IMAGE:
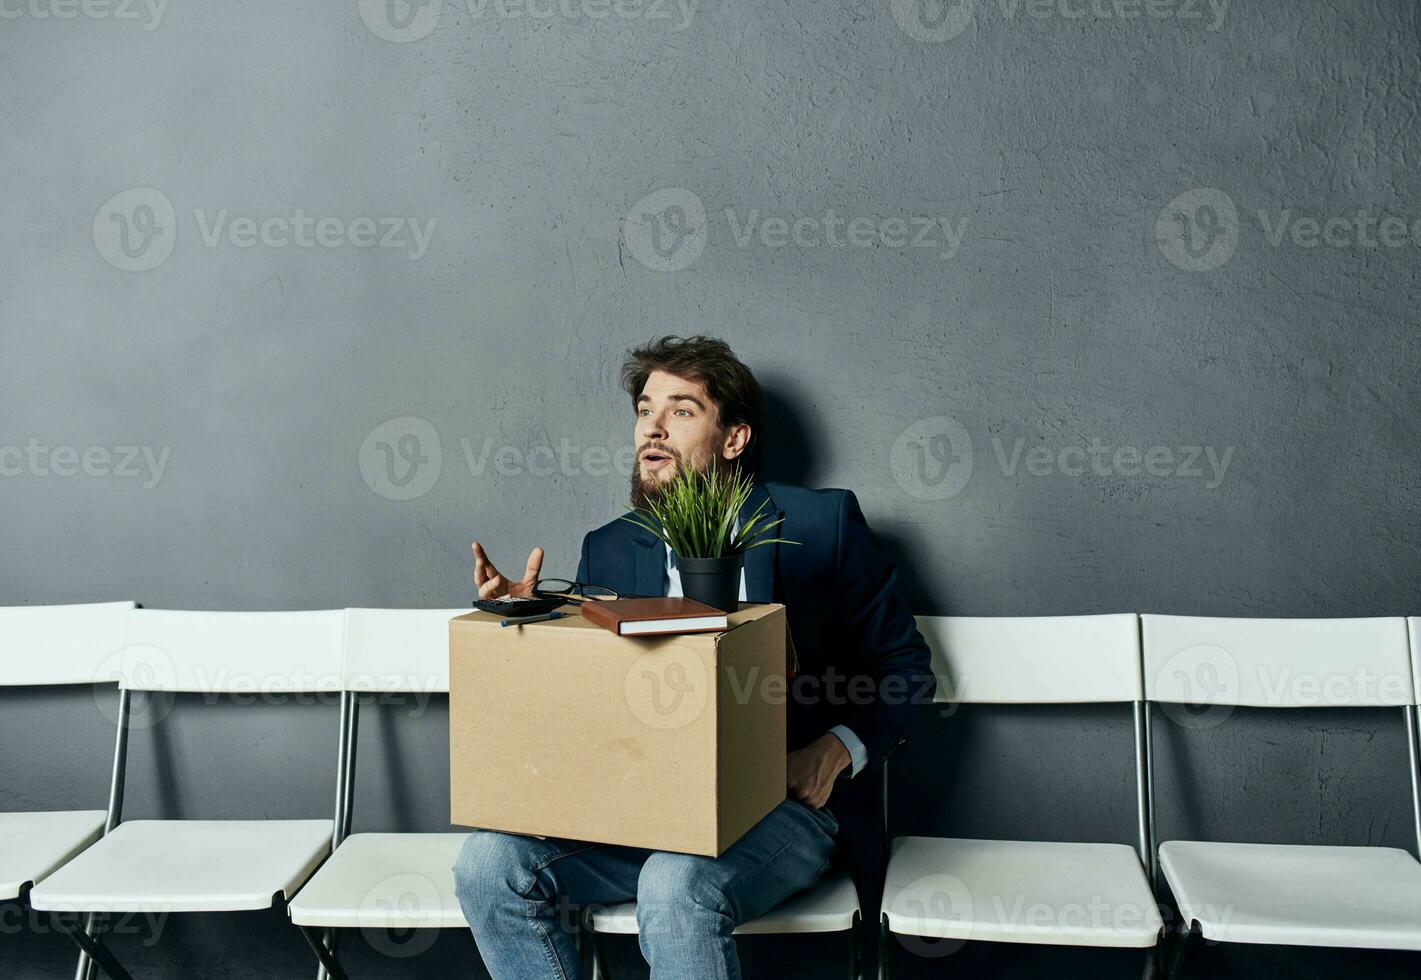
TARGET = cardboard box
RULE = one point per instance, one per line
(563, 729)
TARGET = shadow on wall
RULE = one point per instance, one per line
(795, 454)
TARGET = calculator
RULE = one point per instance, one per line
(511, 605)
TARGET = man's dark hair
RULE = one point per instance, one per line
(736, 393)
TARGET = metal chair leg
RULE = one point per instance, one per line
(326, 956)
(1177, 963)
(885, 950)
(84, 970)
(599, 961)
(91, 945)
(1151, 970)
(856, 949)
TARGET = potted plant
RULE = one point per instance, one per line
(694, 515)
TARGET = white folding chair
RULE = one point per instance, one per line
(831, 905)
(383, 881)
(42, 646)
(1077, 894)
(167, 866)
(1288, 894)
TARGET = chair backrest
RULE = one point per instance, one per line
(1278, 663)
(234, 652)
(1035, 659)
(398, 650)
(60, 644)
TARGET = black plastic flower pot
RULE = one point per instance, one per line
(714, 581)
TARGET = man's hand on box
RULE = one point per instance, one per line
(811, 771)
(493, 584)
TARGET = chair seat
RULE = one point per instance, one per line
(390, 881)
(1297, 894)
(1020, 892)
(188, 866)
(830, 906)
(33, 845)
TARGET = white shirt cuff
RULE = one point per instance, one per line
(858, 752)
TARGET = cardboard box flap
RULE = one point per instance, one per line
(574, 623)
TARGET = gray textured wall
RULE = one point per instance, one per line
(1078, 349)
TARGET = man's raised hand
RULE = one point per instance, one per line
(493, 584)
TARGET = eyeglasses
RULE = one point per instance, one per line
(573, 592)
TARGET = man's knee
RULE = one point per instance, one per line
(492, 867)
(680, 886)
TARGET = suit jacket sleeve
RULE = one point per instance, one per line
(582, 570)
(883, 638)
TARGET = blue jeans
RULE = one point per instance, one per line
(523, 897)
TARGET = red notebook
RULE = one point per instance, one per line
(654, 616)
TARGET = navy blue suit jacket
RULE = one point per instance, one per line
(862, 661)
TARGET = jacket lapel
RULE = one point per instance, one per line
(760, 562)
(649, 556)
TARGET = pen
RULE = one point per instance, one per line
(520, 620)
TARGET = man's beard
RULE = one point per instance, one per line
(645, 491)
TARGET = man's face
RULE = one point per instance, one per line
(677, 425)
